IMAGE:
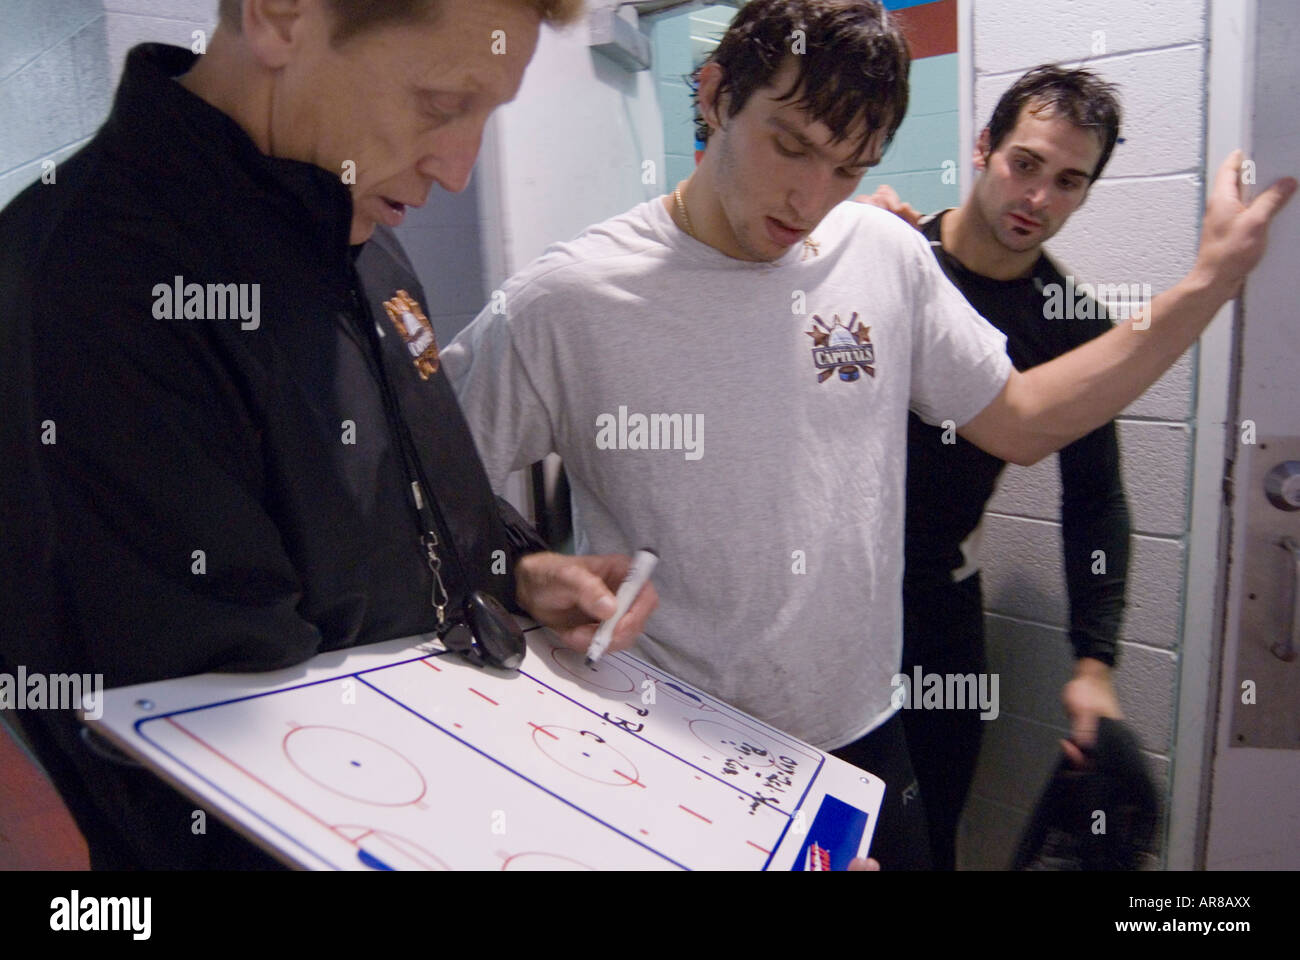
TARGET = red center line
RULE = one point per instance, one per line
(694, 814)
(485, 697)
(757, 847)
(545, 731)
(630, 779)
(431, 666)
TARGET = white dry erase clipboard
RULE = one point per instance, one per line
(402, 756)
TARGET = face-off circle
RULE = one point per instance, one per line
(601, 675)
(732, 743)
(586, 754)
(355, 766)
(542, 861)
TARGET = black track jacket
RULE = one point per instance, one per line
(180, 495)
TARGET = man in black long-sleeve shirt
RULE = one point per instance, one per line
(241, 480)
(1050, 136)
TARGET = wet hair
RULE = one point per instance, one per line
(1079, 96)
(853, 61)
(356, 16)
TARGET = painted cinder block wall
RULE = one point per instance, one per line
(53, 85)
(1139, 225)
(60, 61)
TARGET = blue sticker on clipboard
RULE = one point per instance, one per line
(833, 838)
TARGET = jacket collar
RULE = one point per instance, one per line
(188, 141)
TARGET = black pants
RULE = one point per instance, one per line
(943, 633)
(900, 841)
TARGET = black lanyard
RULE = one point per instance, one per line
(434, 532)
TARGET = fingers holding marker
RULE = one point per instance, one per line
(632, 624)
(638, 577)
(579, 599)
(590, 590)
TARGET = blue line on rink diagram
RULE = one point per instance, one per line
(529, 780)
(720, 707)
(691, 697)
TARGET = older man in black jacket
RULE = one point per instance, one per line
(212, 438)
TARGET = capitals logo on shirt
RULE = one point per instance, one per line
(414, 328)
(843, 348)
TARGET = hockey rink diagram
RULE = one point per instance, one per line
(408, 758)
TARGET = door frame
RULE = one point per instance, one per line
(1229, 89)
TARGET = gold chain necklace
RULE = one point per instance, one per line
(681, 210)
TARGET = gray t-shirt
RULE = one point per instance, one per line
(748, 421)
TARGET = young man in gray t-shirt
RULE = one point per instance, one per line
(727, 373)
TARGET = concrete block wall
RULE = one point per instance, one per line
(129, 22)
(53, 85)
(1140, 224)
(60, 61)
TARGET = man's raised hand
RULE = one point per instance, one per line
(1234, 236)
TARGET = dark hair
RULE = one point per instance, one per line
(853, 62)
(356, 16)
(1079, 96)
